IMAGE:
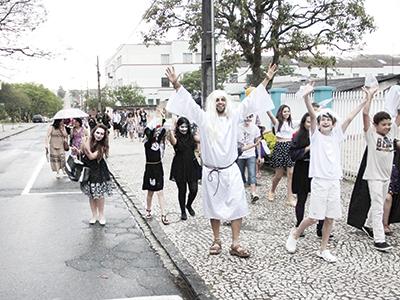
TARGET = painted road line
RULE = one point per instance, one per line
(35, 174)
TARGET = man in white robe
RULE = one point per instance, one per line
(223, 191)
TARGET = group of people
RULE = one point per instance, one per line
(228, 141)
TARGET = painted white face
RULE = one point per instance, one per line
(183, 128)
(99, 134)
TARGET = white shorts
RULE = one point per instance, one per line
(325, 199)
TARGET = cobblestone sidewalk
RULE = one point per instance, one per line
(270, 273)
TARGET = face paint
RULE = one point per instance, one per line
(99, 134)
(183, 128)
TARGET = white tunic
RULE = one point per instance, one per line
(223, 192)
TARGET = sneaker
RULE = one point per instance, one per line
(327, 256)
(254, 198)
(93, 221)
(102, 221)
(382, 246)
(368, 231)
(291, 242)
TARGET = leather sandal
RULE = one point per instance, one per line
(239, 251)
(148, 213)
(216, 247)
(164, 220)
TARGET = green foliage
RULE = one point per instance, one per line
(249, 28)
(127, 95)
(22, 101)
(192, 81)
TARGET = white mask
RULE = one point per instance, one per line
(183, 128)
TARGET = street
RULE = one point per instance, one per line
(48, 248)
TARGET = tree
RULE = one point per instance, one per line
(42, 100)
(252, 27)
(16, 103)
(18, 17)
(129, 95)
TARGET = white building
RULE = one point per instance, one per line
(136, 64)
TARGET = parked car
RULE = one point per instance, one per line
(38, 119)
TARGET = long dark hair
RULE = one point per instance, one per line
(101, 146)
(279, 116)
(56, 123)
(303, 135)
(185, 138)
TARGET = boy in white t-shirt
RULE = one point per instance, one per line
(380, 145)
(325, 170)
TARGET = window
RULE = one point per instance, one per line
(187, 58)
(313, 75)
(150, 101)
(157, 101)
(197, 58)
(165, 59)
(356, 75)
(380, 74)
(233, 78)
(164, 82)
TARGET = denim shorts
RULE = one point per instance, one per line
(250, 163)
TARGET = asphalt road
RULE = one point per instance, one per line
(48, 248)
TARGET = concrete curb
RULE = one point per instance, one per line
(17, 132)
(198, 289)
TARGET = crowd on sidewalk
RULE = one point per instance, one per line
(225, 146)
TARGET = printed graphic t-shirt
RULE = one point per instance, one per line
(380, 154)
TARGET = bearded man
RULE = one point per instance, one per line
(223, 191)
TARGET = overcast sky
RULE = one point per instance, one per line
(77, 31)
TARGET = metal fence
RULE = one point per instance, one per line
(343, 103)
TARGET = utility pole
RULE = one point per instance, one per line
(207, 50)
(98, 85)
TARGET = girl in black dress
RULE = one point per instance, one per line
(99, 184)
(301, 183)
(153, 179)
(185, 169)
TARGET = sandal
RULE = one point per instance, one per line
(216, 247)
(387, 230)
(164, 220)
(239, 251)
(148, 213)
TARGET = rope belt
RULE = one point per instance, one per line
(153, 162)
(217, 170)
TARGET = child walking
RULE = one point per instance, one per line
(153, 179)
(280, 156)
(380, 147)
(325, 170)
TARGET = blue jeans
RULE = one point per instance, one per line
(250, 163)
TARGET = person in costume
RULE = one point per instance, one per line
(281, 160)
(153, 179)
(326, 136)
(185, 169)
(223, 191)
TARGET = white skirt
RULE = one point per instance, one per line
(224, 198)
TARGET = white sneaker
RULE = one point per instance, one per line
(102, 221)
(327, 256)
(92, 221)
(291, 242)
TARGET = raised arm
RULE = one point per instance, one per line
(356, 110)
(272, 69)
(173, 78)
(308, 89)
(274, 120)
(369, 95)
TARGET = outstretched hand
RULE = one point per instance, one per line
(369, 92)
(308, 89)
(172, 77)
(272, 69)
